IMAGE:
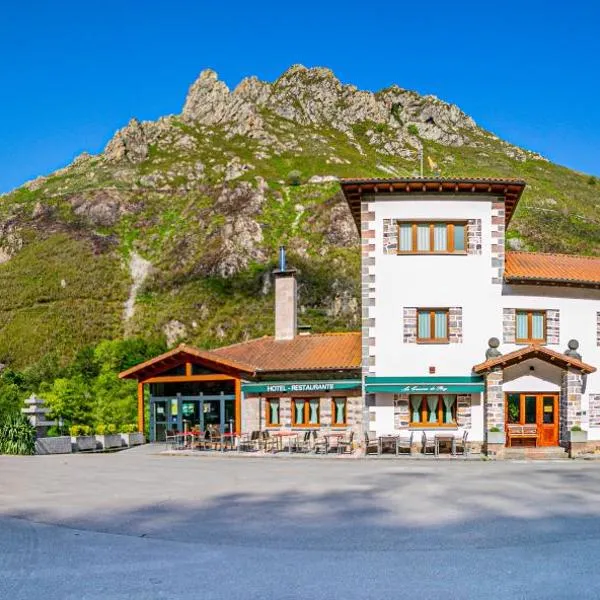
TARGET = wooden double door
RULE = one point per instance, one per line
(532, 408)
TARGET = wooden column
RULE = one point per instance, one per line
(140, 406)
(238, 406)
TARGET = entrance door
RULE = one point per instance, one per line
(538, 409)
(158, 425)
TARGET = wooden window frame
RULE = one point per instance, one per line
(268, 421)
(306, 411)
(423, 411)
(432, 312)
(529, 339)
(449, 237)
(345, 423)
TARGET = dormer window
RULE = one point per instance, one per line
(431, 237)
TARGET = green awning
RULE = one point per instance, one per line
(286, 387)
(471, 384)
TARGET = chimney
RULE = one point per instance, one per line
(286, 309)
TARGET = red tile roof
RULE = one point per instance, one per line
(534, 351)
(315, 352)
(564, 269)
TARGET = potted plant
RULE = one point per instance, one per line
(496, 436)
(82, 438)
(107, 435)
(577, 435)
(131, 436)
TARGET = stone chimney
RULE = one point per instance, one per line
(286, 302)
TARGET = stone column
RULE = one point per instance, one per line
(570, 409)
(494, 412)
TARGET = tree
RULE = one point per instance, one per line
(70, 399)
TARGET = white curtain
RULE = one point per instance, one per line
(440, 237)
(415, 403)
(423, 238)
(314, 411)
(448, 404)
(522, 326)
(405, 241)
(340, 411)
(274, 411)
(432, 402)
(537, 326)
(459, 237)
(299, 408)
(441, 325)
(424, 325)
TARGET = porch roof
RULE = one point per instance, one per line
(534, 351)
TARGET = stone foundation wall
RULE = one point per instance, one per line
(54, 445)
(594, 410)
(570, 403)
(494, 400)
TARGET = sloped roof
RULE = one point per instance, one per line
(315, 352)
(563, 269)
(510, 189)
(533, 351)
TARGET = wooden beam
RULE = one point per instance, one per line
(184, 378)
(238, 406)
(140, 397)
(188, 369)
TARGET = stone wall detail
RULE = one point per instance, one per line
(474, 239)
(598, 329)
(390, 236)
(401, 411)
(498, 230)
(494, 400)
(570, 402)
(367, 227)
(509, 325)
(463, 411)
(455, 329)
(410, 325)
(594, 410)
(552, 327)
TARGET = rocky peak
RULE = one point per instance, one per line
(207, 99)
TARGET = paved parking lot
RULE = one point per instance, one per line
(141, 525)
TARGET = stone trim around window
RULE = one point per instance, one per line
(455, 325)
(509, 326)
(463, 411)
(390, 236)
(594, 410)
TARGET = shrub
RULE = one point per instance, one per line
(294, 178)
(104, 429)
(494, 429)
(80, 430)
(17, 435)
(576, 428)
(129, 428)
(413, 129)
(111, 428)
(101, 429)
(592, 180)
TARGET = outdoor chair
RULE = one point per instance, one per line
(249, 442)
(428, 443)
(405, 441)
(321, 443)
(371, 443)
(266, 442)
(216, 439)
(303, 444)
(460, 444)
(346, 444)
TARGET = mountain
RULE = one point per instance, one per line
(174, 228)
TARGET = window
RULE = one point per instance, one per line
(431, 238)
(338, 412)
(305, 412)
(531, 327)
(432, 325)
(273, 407)
(433, 410)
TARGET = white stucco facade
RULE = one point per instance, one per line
(468, 282)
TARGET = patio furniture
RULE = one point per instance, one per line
(215, 439)
(460, 444)
(387, 441)
(333, 440)
(371, 442)
(321, 443)
(404, 441)
(444, 439)
(249, 441)
(428, 443)
(344, 445)
(521, 432)
(303, 444)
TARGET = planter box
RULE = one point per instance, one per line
(53, 445)
(496, 437)
(578, 437)
(84, 442)
(112, 440)
(133, 439)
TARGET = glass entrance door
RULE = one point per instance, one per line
(158, 424)
(538, 409)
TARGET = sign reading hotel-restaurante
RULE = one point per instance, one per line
(301, 387)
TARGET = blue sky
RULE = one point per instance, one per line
(71, 73)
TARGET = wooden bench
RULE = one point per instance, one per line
(521, 432)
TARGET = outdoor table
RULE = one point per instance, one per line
(231, 437)
(333, 434)
(387, 439)
(444, 438)
(281, 435)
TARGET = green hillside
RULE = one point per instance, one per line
(182, 217)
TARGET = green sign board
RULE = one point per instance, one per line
(287, 387)
(425, 385)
